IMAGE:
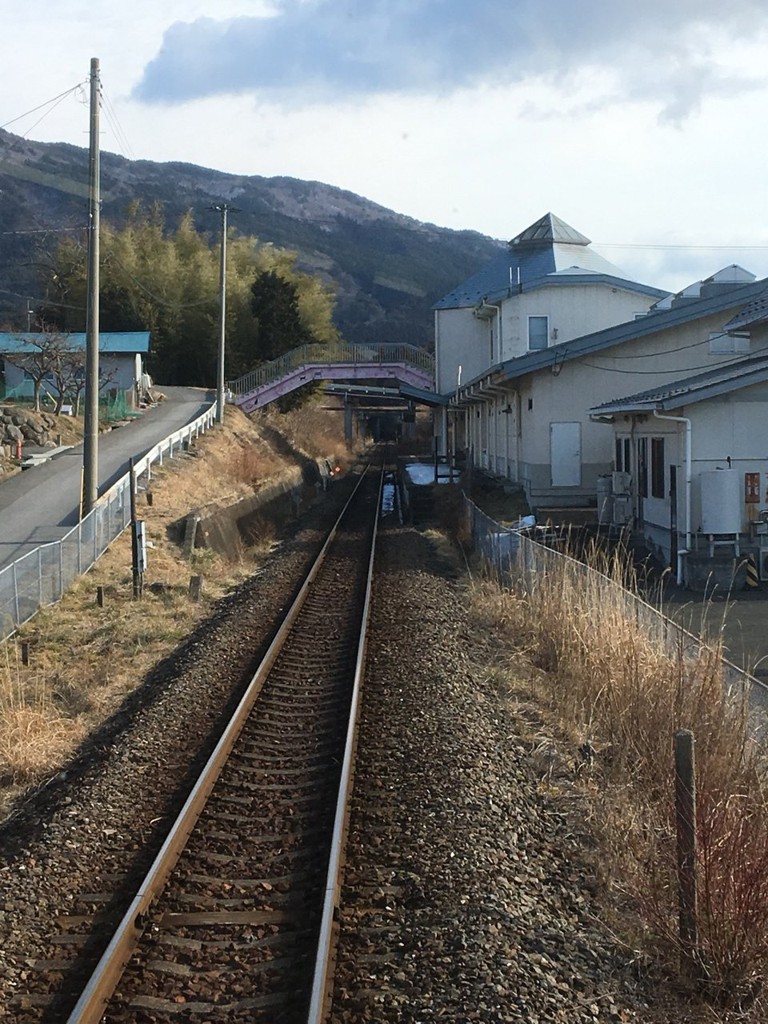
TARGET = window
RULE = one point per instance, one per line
(657, 468)
(623, 447)
(642, 467)
(538, 332)
(720, 344)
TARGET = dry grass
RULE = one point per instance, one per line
(619, 697)
(84, 659)
(312, 430)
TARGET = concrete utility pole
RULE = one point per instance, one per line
(91, 430)
(223, 209)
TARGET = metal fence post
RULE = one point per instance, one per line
(17, 612)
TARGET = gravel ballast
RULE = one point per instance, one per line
(468, 895)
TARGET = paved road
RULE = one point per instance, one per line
(741, 617)
(42, 504)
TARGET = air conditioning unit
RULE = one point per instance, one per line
(622, 509)
(620, 483)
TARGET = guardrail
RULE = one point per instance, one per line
(41, 577)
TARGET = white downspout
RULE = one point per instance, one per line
(518, 433)
(687, 422)
(490, 305)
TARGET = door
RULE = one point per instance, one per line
(565, 454)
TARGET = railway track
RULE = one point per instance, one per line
(235, 919)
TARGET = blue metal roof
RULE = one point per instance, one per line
(535, 258)
(652, 323)
(752, 315)
(689, 390)
(129, 342)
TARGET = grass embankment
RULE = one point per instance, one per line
(84, 658)
(618, 699)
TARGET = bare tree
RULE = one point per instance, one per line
(55, 365)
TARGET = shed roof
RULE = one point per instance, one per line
(688, 390)
(113, 342)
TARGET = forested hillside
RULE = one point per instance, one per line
(385, 269)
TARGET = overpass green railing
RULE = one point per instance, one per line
(385, 352)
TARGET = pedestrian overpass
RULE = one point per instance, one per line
(407, 365)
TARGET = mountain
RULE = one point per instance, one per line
(387, 269)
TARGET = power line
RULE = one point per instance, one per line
(55, 100)
(687, 370)
(157, 298)
(41, 302)
(44, 231)
(111, 115)
(681, 246)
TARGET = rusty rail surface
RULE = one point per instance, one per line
(272, 912)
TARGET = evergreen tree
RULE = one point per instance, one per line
(275, 308)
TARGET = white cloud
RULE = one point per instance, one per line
(643, 125)
(321, 50)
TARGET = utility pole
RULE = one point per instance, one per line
(223, 209)
(91, 429)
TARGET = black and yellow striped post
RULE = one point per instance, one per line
(753, 578)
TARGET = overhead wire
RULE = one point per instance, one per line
(153, 295)
(111, 116)
(45, 231)
(657, 370)
(678, 245)
(51, 103)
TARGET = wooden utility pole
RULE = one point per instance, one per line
(91, 428)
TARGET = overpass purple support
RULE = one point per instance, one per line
(405, 364)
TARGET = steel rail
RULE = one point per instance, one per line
(93, 1001)
(320, 1001)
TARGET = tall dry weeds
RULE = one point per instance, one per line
(624, 687)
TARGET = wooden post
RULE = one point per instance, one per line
(685, 815)
(25, 652)
(195, 587)
(100, 596)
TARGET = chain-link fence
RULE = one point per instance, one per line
(518, 560)
(41, 577)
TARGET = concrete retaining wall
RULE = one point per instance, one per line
(227, 531)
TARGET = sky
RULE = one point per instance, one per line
(641, 124)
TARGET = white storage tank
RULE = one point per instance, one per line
(721, 501)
